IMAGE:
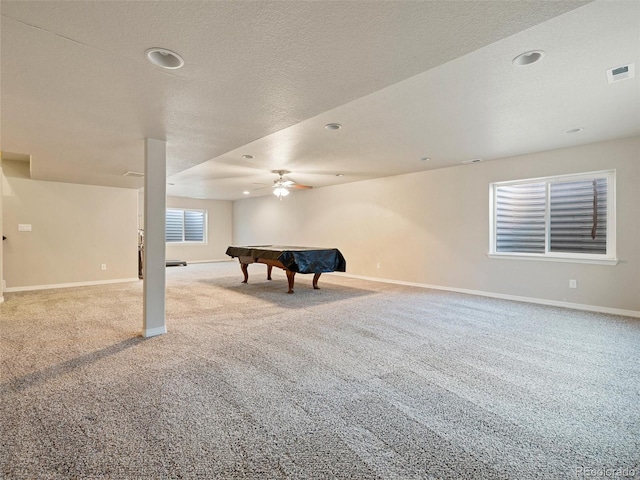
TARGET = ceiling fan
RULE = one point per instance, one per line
(281, 186)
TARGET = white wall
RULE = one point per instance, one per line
(75, 229)
(432, 227)
(219, 229)
(219, 232)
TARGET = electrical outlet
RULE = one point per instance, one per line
(24, 227)
(573, 284)
(378, 265)
(103, 266)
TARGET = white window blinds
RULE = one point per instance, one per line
(564, 216)
(193, 226)
(578, 216)
(185, 226)
(520, 218)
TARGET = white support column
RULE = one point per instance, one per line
(155, 193)
(1, 243)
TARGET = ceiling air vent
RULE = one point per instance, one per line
(133, 174)
(621, 73)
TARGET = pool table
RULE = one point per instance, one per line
(291, 259)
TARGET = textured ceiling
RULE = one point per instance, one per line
(406, 80)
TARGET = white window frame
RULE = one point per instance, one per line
(204, 226)
(608, 259)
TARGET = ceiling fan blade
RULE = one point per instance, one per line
(301, 187)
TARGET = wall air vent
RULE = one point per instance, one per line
(621, 73)
(133, 174)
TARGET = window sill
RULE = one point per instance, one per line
(524, 256)
(191, 244)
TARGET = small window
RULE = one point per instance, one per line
(569, 217)
(186, 226)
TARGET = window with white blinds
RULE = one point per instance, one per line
(186, 226)
(563, 217)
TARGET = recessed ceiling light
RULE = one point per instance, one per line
(339, 174)
(527, 58)
(169, 183)
(474, 160)
(164, 58)
(425, 159)
(574, 130)
(333, 126)
(248, 157)
(246, 192)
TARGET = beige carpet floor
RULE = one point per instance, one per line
(356, 380)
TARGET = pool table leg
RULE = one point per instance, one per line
(290, 277)
(269, 268)
(315, 281)
(245, 272)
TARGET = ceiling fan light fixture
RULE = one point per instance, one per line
(280, 192)
(164, 58)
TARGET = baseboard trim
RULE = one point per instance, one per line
(68, 285)
(153, 332)
(517, 298)
(209, 261)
